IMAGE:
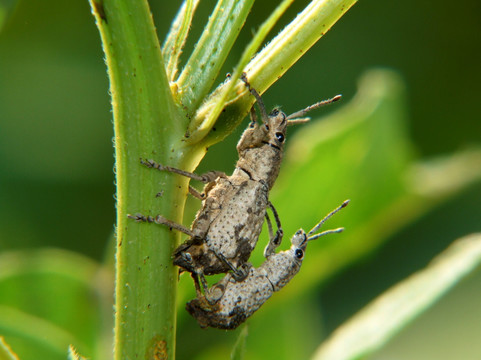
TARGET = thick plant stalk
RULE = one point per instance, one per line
(147, 124)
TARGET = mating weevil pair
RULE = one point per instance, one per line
(227, 227)
(237, 300)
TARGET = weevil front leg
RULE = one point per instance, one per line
(275, 240)
(206, 178)
(258, 97)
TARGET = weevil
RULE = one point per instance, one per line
(238, 300)
(226, 228)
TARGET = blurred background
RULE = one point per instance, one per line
(57, 207)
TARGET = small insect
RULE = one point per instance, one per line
(227, 227)
(237, 300)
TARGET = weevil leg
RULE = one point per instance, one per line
(254, 93)
(275, 240)
(196, 193)
(269, 226)
(212, 295)
(239, 273)
(159, 219)
(195, 277)
(253, 116)
(205, 178)
(215, 293)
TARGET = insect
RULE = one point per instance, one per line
(237, 300)
(227, 227)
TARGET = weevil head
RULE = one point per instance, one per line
(270, 132)
(261, 147)
(276, 128)
(299, 245)
(283, 266)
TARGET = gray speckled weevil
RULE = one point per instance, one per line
(237, 300)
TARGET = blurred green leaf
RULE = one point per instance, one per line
(73, 354)
(381, 319)
(5, 352)
(238, 352)
(38, 334)
(6, 8)
(52, 298)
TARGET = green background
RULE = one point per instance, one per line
(56, 156)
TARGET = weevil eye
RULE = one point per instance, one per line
(274, 112)
(299, 254)
(188, 257)
(280, 136)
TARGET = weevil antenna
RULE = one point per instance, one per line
(327, 232)
(315, 228)
(294, 118)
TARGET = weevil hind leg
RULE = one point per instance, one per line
(274, 240)
(160, 220)
(212, 294)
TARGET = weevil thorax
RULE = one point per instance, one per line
(283, 266)
(261, 148)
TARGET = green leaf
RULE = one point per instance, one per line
(388, 314)
(5, 352)
(177, 36)
(6, 9)
(73, 354)
(210, 52)
(51, 298)
(37, 332)
(238, 352)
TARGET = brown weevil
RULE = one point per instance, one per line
(231, 302)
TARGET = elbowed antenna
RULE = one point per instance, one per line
(315, 228)
(297, 117)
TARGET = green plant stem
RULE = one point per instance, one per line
(147, 124)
